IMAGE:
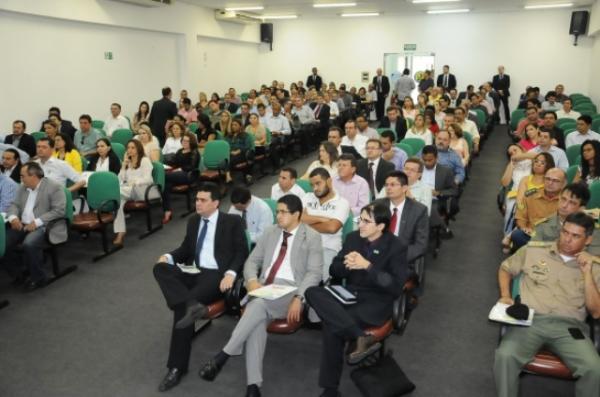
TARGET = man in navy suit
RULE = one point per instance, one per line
(162, 110)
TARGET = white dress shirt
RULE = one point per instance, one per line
(103, 164)
(27, 216)
(279, 124)
(277, 192)
(59, 171)
(428, 177)
(577, 138)
(285, 270)
(114, 123)
(399, 208)
(359, 142)
(258, 217)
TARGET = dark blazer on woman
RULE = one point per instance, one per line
(114, 164)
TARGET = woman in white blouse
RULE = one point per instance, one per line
(173, 142)
(328, 156)
(419, 130)
(105, 159)
(134, 178)
(408, 109)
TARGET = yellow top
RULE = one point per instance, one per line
(73, 159)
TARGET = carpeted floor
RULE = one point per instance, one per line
(104, 330)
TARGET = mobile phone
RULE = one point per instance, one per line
(576, 333)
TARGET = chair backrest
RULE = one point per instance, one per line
(216, 154)
(348, 226)
(37, 135)
(69, 205)
(84, 162)
(415, 143)
(158, 174)
(594, 195)
(244, 96)
(567, 131)
(103, 186)
(480, 118)
(119, 150)
(98, 124)
(406, 148)
(122, 136)
(469, 138)
(562, 123)
(305, 185)
(2, 237)
(269, 136)
(596, 125)
(516, 116)
(380, 130)
(571, 172)
(272, 205)
(573, 152)
(193, 126)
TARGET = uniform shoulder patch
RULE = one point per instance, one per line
(540, 221)
(539, 243)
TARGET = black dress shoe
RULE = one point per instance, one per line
(171, 379)
(365, 346)
(19, 280)
(331, 393)
(210, 371)
(253, 391)
(192, 313)
(33, 285)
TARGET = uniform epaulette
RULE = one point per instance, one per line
(540, 221)
(531, 192)
(539, 243)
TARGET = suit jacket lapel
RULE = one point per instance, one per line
(295, 259)
(39, 195)
(405, 214)
(270, 250)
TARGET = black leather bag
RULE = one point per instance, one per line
(384, 379)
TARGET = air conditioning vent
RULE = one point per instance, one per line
(148, 3)
(236, 17)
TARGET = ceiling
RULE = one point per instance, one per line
(304, 8)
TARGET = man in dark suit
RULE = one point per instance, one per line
(198, 273)
(446, 80)
(314, 80)
(395, 122)
(442, 182)
(501, 83)
(374, 169)
(162, 110)
(382, 87)
(11, 164)
(322, 113)
(373, 264)
(65, 126)
(229, 104)
(410, 220)
(20, 139)
(289, 253)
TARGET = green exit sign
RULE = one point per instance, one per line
(410, 47)
(108, 55)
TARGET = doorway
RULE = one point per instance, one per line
(416, 62)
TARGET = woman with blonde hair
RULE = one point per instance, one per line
(458, 143)
(149, 142)
(419, 130)
(224, 123)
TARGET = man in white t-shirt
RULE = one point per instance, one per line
(354, 139)
(566, 112)
(326, 212)
(287, 184)
(467, 125)
(116, 120)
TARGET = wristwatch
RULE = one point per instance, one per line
(301, 298)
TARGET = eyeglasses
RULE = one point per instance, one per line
(553, 180)
(365, 221)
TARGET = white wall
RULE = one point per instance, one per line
(534, 46)
(594, 30)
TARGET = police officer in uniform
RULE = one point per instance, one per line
(560, 282)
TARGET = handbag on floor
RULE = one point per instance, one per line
(384, 379)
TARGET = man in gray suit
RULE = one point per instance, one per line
(271, 262)
(40, 202)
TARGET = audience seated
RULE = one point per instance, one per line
(390, 152)
(86, 136)
(410, 219)
(353, 142)
(417, 190)
(281, 132)
(583, 132)
(20, 139)
(328, 159)
(64, 149)
(288, 253)
(183, 171)
(590, 156)
(530, 137)
(448, 157)
(64, 125)
(458, 144)
(162, 110)
(567, 111)
(559, 281)
(335, 136)
(173, 141)
(187, 111)
(141, 116)
(514, 172)
(51, 129)
(255, 213)
(205, 131)
(198, 273)
(545, 146)
(441, 181)
(105, 159)
(286, 184)
(115, 121)
(420, 131)
(55, 169)
(374, 169)
(557, 134)
(374, 248)
(326, 212)
(149, 142)
(467, 125)
(11, 164)
(8, 191)
(39, 203)
(259, 132)
(240, 145)
(135, 177)
(349, 185)
(363, 127)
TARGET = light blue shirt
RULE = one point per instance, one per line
(207, 255)
(8, 192)
(560, 157)
(279, 124)
(452, 160)
(258, 217)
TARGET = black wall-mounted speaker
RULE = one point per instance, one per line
(266, 33)
(579, 22)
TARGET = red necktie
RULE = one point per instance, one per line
(394, 221)
(317, 111)
(279, 260)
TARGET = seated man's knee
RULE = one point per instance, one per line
(160, 268)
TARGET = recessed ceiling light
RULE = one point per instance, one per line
(432, 1)
(456, 11)
(332, 5)
(278, 17)
(253, 8)
(542, 6)
(360, 14)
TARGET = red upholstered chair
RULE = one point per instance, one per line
(229, 304)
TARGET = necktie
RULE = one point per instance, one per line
(394, 221)
(279, 260)
(244, 222)
(445, 81)
(371, 181)
(317, 111)
(200, 241)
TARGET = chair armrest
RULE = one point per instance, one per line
(105, 203)
(148, 190)
(595, 332)
(234, 296)
(51, 224)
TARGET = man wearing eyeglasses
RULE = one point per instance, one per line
(288, 253)
(538, 206)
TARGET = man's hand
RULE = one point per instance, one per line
(507, 300)
(355, 261)
(163, 259)
(294, 311)
(16, 224)
(30, 227)
(252, 285)
(435, 193)
(227, 282)
(585, 261)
